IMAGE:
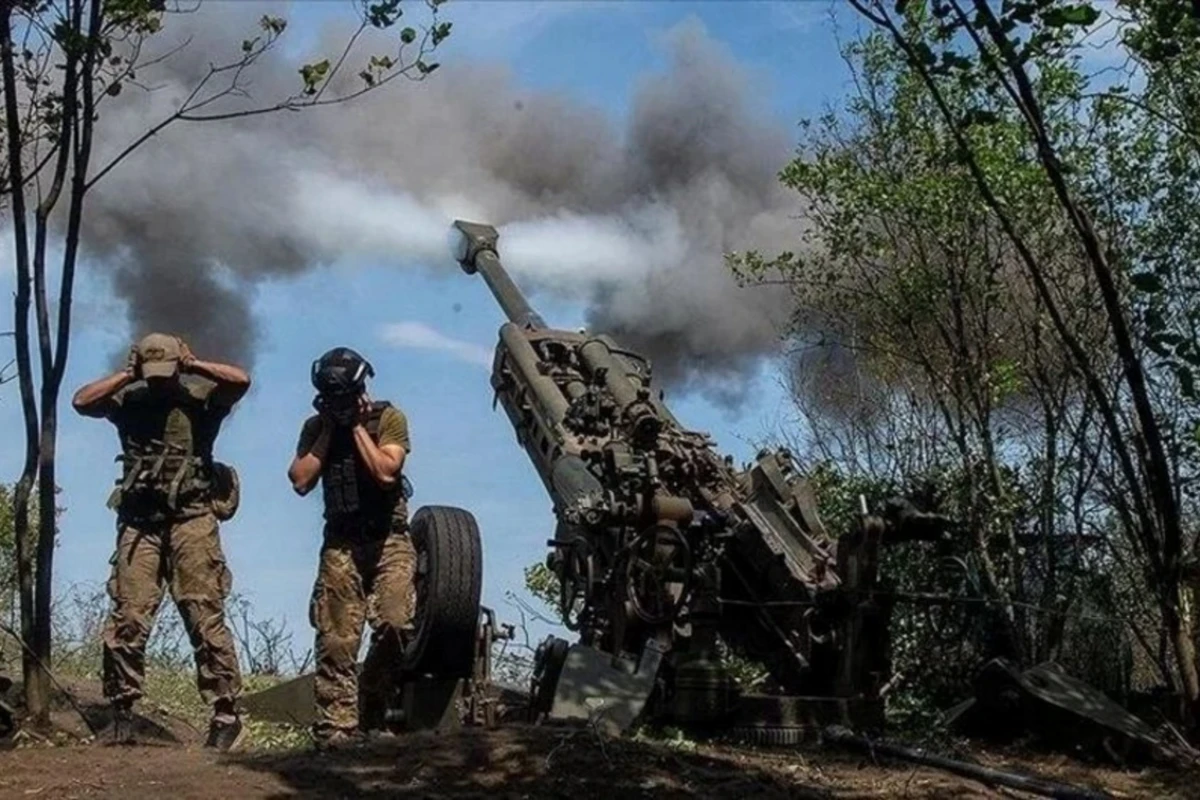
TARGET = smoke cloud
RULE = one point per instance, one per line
(634, 222)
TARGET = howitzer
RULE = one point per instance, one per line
(663, 548)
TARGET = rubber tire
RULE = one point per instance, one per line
(769, 736)
(449, 586)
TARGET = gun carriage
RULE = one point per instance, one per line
(664, 551)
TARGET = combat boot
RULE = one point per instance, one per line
(372, 715)
(225, 734)
(122, 725)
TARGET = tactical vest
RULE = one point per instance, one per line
(166, 458)
(351, 494)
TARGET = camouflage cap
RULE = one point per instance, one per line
(159, 354)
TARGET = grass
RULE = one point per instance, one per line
(173, 692)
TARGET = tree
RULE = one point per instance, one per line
(922, 360)
(59, 60)
(1005, 53)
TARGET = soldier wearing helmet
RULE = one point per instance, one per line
(168, 407)
(356, 448)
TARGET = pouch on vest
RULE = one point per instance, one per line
(158, 479)
(226, 491)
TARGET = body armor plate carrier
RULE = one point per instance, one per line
(160, 479)
(163, 479)
(350, 493)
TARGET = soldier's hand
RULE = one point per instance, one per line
(364, 407)
(132, 362)
(323, 413)
(186, 357)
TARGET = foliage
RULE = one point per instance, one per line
(994, 312)
(542, 583)
(8, 570)
(173, 692)
(948, 382)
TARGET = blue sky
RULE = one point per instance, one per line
(464, 453)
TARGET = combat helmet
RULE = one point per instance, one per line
(340, 372)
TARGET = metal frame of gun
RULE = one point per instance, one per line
(663, 547)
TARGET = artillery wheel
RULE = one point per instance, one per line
(648, 564)
(770, 736)
(448, 584)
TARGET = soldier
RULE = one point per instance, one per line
(356, 448)
(168, 406)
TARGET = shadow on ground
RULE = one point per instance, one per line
(521, 761)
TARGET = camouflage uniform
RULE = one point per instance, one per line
(169, 503)
(365, 575)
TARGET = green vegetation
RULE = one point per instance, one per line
(173, 691)
(995, 305)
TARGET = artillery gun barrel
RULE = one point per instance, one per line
(476, 252)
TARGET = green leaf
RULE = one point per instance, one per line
(1023, 12)
(273, 25)
(925, 53)
(384, 15)
(441, 32)
(1146, 282)
(979, 116)
(408, 36)
(313, 74)
(953, 60)
(1082, 14)
(1187, 381)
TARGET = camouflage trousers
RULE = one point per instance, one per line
(185, 556)
(359, 581)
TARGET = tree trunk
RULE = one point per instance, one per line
(44, 566)
(36, 696)
(1179, 630)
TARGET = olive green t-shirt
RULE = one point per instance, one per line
(393, 429)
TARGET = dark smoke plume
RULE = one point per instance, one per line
(634, 222)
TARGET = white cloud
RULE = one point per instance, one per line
(417, 335)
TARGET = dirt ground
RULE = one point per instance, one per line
(515, 762)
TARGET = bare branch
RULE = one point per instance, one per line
(198, 100)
